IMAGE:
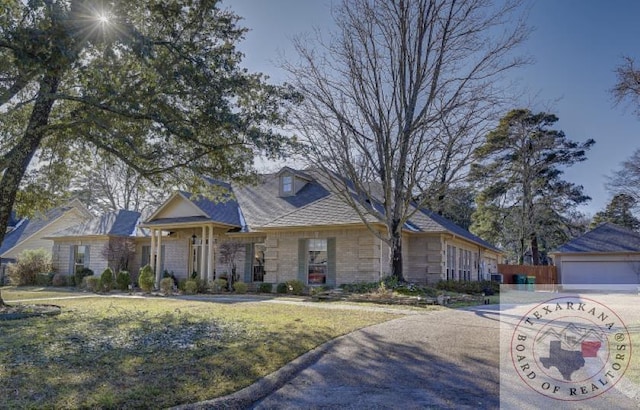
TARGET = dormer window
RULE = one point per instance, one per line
(291, 181)
(287, 184)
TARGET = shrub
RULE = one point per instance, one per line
(44, 279)
(166, 286)
(265, 288)
(240, 287)
(202, 285)
(71, 280)
(281, 288)
(123, 280)
(391, 282)
(59, 280)
(295, 287)
(91, 283)
(181, 284)
(471, 288)
(29, 263)
(218, 285)
(146, 279)
(191, 287)
(106, 280)
(80, 274)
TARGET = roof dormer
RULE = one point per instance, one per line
(291, 181)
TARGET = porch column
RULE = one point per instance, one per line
(203, 256)
(152, 250)
(159, 260)
(210, 256)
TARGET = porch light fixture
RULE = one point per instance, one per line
(193, 239)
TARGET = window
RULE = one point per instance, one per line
(317, 261)
(287, 184)
(80, 256)
(258, 262)
(146, 256)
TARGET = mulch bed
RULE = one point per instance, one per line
(14, 312)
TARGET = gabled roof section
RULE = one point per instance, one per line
(223, 210)
(605, 238)
(183, 207)
(26, 228)
(119, 223)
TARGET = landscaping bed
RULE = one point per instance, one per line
(14, 312)
(391, 292)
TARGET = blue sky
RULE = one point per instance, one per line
(575, 45)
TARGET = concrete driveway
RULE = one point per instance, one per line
(441, 359)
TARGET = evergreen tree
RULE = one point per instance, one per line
(619, 212)
(523, 204)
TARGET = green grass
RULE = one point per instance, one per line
(153, 352)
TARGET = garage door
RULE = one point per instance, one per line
(598, 273)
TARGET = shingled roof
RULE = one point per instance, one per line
(260, 206)
(118, 223)
(605, 238)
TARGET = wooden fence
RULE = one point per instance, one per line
(545, 275)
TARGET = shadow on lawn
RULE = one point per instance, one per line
(133, 361)
(371, 371)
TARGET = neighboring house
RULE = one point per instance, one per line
(29, 233)
(608, 254)
(83, 245)
(291, 226)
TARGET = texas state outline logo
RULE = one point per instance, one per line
(571, 348)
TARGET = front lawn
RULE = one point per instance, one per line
(154, 352)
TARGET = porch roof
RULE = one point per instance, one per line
(184, 221)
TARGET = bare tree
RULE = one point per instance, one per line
(626, 180)
(108, 184)
(228, 253)
(627, 87)
(118, 251)
(396, 101)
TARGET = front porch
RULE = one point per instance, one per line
(203, 251)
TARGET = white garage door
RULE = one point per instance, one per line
(598, 273)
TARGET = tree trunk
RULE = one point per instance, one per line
(535, 252)
(396, 254)
(20, 156)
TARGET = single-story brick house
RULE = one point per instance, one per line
(291, 226)
(607, 255)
